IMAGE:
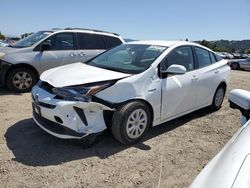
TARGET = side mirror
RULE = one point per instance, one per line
(45, 47)
(240, 99)
(175, 69)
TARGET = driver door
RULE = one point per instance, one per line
(62, 51)
(179, 91)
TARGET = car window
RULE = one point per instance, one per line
(213, 60)
(202, 57)
(64, 41)
(61, 41)
(181, 56)
(90, 41)
(112, 41)
(218, 58)
(32, 39)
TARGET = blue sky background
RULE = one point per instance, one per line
(135, 19)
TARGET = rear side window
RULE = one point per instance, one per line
(218, 58)
(213, 60)
(90, 41)
(112, 41)
(203, 57)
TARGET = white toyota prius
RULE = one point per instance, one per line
(129, 89)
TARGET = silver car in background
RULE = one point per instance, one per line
(241, 64)
(22, 63)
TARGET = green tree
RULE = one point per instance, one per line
(2, 37)
(217, 49)
(204, 43)
(210, 45)
(247, 51)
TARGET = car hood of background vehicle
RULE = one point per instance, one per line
(10, 50)
(77, 74)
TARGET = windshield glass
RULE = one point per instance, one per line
(32, 39)
(128, 58)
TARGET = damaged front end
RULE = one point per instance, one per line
(71, 112)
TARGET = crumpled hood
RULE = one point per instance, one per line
(78, 73)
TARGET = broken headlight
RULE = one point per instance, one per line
(80, 93)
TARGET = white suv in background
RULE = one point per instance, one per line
(22, 63)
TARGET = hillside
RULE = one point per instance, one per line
(226, 45)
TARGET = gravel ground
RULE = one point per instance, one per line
(171, 155)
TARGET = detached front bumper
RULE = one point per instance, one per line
(66, 119)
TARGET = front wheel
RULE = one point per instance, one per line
(218, 97)
(130, 122)
(21, 80)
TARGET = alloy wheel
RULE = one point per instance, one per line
(22, 80)
(136, 124)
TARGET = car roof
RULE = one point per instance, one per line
(164, 43)
(68, 29)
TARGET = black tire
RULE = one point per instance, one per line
(21, 80)
(235, 66)
(130, 133)
(218, 97)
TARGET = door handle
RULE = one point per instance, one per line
(195, 77)
(216, 71)
(81, 54)
(72, 54)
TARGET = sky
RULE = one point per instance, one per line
(133, 19)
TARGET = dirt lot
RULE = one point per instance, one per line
(172, 153)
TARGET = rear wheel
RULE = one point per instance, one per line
(130, 122)
(235, 66)
(21, 80)
(218, 97)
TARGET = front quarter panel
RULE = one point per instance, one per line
(24, 56)
(144, 86)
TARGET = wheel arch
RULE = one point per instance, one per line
(223, 84)
(146, 103)
(20, 65)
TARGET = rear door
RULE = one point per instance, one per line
(89, 46)
(208, 76)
